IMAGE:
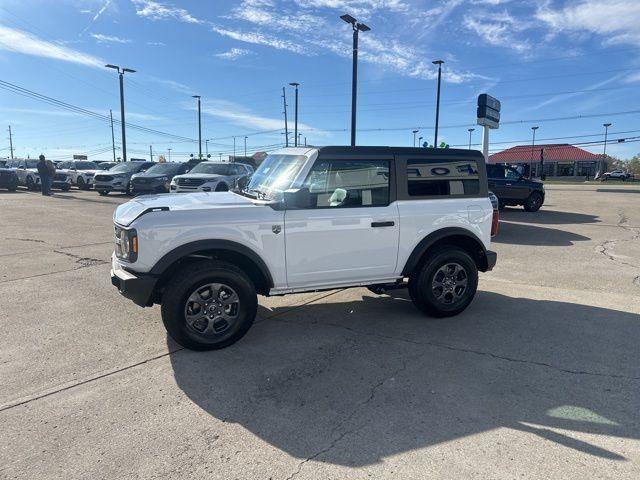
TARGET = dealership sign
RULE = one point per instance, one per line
(488, 111)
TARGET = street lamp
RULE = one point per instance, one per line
(420, 141)
(197, 97)
(296, 85)
(357, 27)
(206, 147)
(169, 150)
(245, 147)
(606, 132)
(470, 130)
(414, 137)
(439, 63)
(121, 72)
(533, 143)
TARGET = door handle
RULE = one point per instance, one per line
(383, 224)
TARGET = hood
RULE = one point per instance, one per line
(150, 175)
(206, 176)
(126, 213)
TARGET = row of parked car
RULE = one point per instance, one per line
(132, 178)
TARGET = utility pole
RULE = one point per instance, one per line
(245, 147)
(151, 152)
(234, 149)
(11, 142)
(206, 147)
(533, 143)
(121, 72)
(420, 141)
(470, 130)
(113, 138)
(357, 28)
(414, 137)
(220, 156)
(439, 63)
(169, 150)
(295, 133)
(286, 125)
(197, 97)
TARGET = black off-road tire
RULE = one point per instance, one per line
(186, 281)
(421, 282)
(103, 193)
(533, 203)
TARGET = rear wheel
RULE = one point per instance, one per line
(80, 183)
(127, 190)
(31, 185)
(533, 203)
(103, 192)
(209, 305)
(65, 188)
(446, 282)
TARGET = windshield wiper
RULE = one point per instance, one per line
(260, 195)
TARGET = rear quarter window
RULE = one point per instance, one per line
(433, 177)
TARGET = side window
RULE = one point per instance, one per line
(495, 171)
(435, 178)
(348, 183)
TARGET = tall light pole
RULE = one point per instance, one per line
(11, 142)
(286, 123)
(206, 147)
(113, 138)
(121, 71)
(357, 27)
(435, 138)
(470, 130)
(245, 147)
(533, 144)
(234, 149)
(295, 131)
(151, 153)
(169, 150)
(197, 97)
(420, 141)
(606, 133)
(414, 137)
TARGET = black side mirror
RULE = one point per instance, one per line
(300, 198)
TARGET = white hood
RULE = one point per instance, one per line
(126, 213)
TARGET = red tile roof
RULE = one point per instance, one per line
(552, 152)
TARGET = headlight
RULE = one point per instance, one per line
(126, 244)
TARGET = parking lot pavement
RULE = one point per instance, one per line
(539, 378)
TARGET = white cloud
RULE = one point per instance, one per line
(356, 7)
(499, 30)
(28, 44)
(239, 115)
(234, 53)
(616, 20)
(173, 85)
(156, 44)
(109, 39)
(163, 11)
(566, 96)
(258, 38)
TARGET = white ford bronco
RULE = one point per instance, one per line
(310, 219)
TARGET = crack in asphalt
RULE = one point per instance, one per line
(373, 390)
(606, 247)
(25, 239)
(445, 346)
(87, 380)
(83, 261)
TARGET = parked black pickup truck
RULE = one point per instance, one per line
(512, 188)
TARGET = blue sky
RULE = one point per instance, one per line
(542, 59)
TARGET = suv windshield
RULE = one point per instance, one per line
(31, 163)
(126, 167)
(275, 175)
(86, 166)
(164, 168)
(212, 168)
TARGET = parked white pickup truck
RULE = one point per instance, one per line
(310, 219)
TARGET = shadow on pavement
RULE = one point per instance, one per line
(617, 190)
(82, 199)
(521, 234)
(547, 217)
(354, 381)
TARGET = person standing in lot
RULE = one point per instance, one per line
(44, 172)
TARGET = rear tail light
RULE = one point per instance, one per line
(494, 223)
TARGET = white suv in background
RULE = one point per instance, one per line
(210, 177)
(81, 172)
(310, 219)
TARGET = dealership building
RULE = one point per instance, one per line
(554, 160)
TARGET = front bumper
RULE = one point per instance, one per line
(183, 189)
(492, 257)
(136, 287)
(142, 189)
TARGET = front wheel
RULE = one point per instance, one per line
(103, 192)
(446, 282)
(80, 183)
(127, 190)
(31, 185)
(65, 188)
(222, 187)
(533, 203)
(209, 305)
